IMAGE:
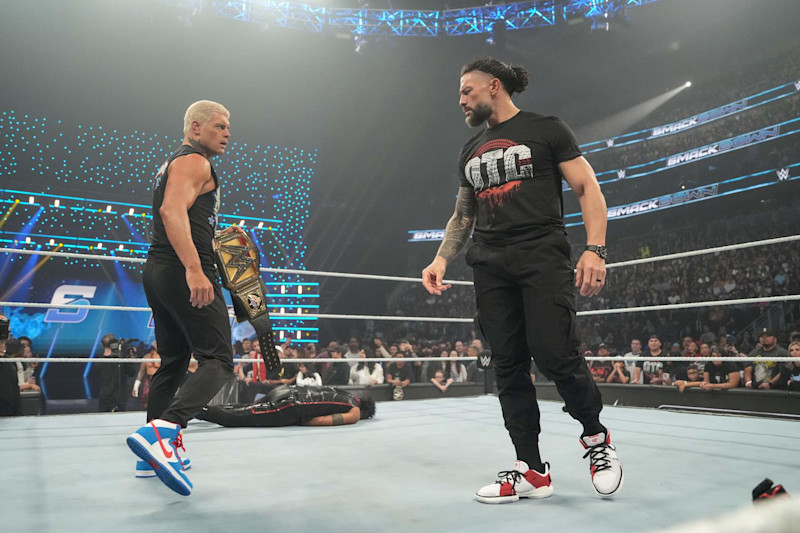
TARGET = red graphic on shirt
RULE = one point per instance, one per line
(494, 145)
(497, 196)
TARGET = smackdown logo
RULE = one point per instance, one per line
(663, 202)
(426, 235)
(723, 146)
(70, 295)
(702, 118)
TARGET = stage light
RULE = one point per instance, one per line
(52, 242)
(241, 223)
(281, 334)
(27, 240)
(298, 335)
(31, 199)
(299, 289)
(130, 211)
(121, 247)
(260, 225)
(56, 202)
(283, 289)
(687, 84)
(108, 209)
(99, 245)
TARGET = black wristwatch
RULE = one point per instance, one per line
(599, 249)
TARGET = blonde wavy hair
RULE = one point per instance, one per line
(201, 111)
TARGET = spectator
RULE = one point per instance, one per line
(340, 371)
(440, 382)
(459, 347)
(247, 346)
(693, 378)
(353, 350)
(455, 368)
(380, 349)
(113, 377)
(148, 368)
(307, 376)
(636, 351)
(708, 336)
(366, 373)
(766, 375)
(790, 373)
(601, 370)
(719, 374)
(10, 400)
(398, 373)
(650, 372)
(438, 365)
(324, 369)
(25, 379)
(474, 374)
(619, 374)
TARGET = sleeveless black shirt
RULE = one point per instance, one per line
(202, 218)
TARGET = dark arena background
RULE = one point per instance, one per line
(346, 132)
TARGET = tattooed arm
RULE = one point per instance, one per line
(338, 419)
(456, 235)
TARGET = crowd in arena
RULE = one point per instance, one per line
(716, 365)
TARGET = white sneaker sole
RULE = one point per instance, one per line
(150, 453)
(616, 490)
(535, 494)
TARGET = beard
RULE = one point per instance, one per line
(480, 113)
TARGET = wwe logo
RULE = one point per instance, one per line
(797, 85)
(240, 259)
(610, 142)
(783, 174)
(485, 361)
(621, 174)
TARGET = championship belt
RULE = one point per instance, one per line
(238, 259)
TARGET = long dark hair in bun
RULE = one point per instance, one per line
(513, 79)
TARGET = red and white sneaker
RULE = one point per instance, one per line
(522, 482)
(605, 466)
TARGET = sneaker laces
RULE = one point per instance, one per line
(177, 442)
(509, 476)
(599, 457)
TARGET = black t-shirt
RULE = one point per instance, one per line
(202, 217)
(399, 373)
(650, 369)
(719, 373)
(513, 170)
(339, 374)
(10, 400)
(601, 369)
(790, 377)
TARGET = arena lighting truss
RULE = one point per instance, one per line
(410, 23)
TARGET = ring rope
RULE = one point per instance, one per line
(312, 316)
(384, 359)
(632, 262)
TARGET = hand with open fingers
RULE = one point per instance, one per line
(590, 274)
(200, 288)
(433, 275)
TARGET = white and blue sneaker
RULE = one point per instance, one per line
(144, 470)
(156, 444)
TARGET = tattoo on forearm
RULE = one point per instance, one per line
(337, 419)
(459, 227)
